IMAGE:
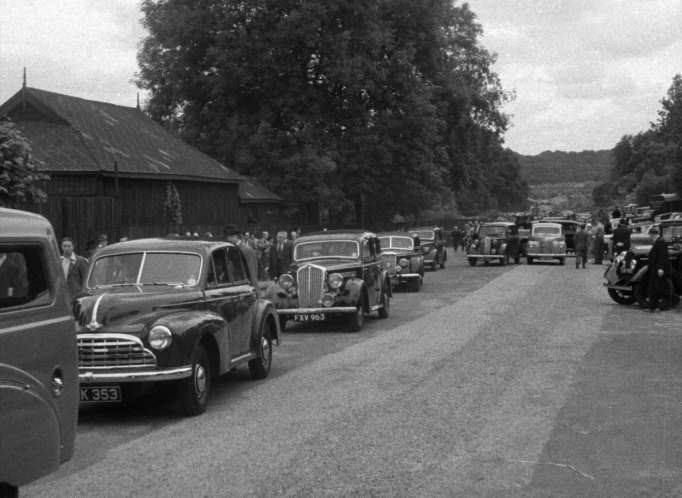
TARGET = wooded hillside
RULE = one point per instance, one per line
(566, 167)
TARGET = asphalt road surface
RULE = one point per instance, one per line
(520, 381)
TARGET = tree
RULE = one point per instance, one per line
(332, 102)
(19, 176)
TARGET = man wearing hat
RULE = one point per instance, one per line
(621, 237)
(233, 234)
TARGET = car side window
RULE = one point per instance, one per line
(24, 277)
(235, 265)
(218, 271)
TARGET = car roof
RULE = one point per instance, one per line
(548, 223)
(397, 234)
(163, 244)
(15, 223)
(414, 229)
(335, 235)
(498, 223)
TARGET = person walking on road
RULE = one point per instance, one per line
(75, 268)
(598, 230)
(580, 244)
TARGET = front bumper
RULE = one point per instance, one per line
(90, 376)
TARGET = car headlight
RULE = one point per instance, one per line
(404, 262)
(335, 280)
(160, 337)
(327, 300)
(286, 281)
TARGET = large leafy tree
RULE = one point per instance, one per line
(19, 175)
(649, 162)
(332, 102)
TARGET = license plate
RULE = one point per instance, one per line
(110, 394)
(310, 317)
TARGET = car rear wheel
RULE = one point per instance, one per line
(472, 261)
(357, 319)
(260, 366)
(385, 304)
(195, 391)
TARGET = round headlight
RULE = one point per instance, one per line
(286, 281)
(404, 262)
(327, 300)
(335, 280)
(160, 337)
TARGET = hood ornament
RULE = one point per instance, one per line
(94, 325)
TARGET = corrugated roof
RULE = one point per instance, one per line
(83, 135)
(252, 191)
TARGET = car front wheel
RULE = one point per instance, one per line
(260, 366)
(357, 319)
(196, 389)
(385, 304)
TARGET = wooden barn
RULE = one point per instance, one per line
(115, 171)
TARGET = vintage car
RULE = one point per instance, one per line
(546, 241)
(403, 258)
(336, 272)
(38, 356)
(627, 277)
(433, 245)
(170, 310)
(498, 240)
(570, 227)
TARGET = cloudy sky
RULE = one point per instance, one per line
(585, 72)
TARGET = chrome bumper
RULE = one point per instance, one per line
(407, 275)
(93, 376)
(330, 310)
(545, 255)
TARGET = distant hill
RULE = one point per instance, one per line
(566, 167)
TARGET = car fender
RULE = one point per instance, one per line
(267, 313)
(190, 328)
(352, 293)
(640, 274)
(386, 279)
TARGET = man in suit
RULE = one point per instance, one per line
(280, 256)
(580, 242)
(10, 277)
(75, 268)
(233, 234)
(659, 272)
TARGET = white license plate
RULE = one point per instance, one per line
(110, 394)
(310, 317)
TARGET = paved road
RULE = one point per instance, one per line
(514, 381)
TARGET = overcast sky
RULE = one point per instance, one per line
(585, 72)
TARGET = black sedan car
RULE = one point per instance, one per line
(336, 272)
(403, 258)
(169, 310)
(433, 245)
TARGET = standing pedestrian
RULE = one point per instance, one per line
(233, 234)
(598, 248)
(280, 256)
(659, 292)
(580, 244)
(263, 246)
(75, 268)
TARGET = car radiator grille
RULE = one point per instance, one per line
(112, 351)
(310, 286)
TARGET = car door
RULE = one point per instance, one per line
(247, 296)
(38, 362)
(223, 299)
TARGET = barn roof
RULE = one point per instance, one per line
(74, 135)
(252, 191)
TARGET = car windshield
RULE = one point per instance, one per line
(491, 231)
(425, 234)
(396, 243)
(146, 268)
(547, 230)
(326, 249)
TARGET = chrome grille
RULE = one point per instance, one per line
(310, 286)
(112, 351)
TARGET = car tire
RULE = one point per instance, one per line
(444, 258)
(416, 284)
(529, 261)
(357, 319)
(622, 297)
(472, 261)
(195, 390)
(385, 309)
(8, 491)
(562, 261)
(260, 366)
